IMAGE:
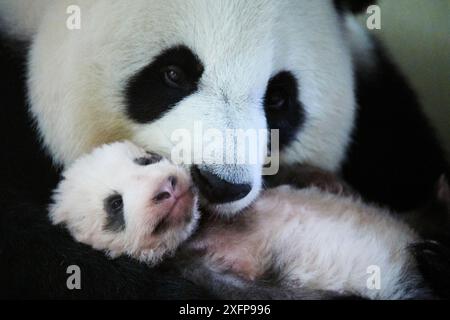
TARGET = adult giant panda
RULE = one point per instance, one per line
(143, 69)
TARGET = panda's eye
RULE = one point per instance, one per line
(115, 220)
(276, 99)
(174, 77)
(151, 158)
(114, 204)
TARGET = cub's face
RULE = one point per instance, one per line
(160, 73)
(126, 201)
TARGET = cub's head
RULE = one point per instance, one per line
(164, 73)
(124, 200)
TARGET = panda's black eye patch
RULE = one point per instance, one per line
(276, 99)
(283, 108)
(150, 158)
(168, 79)
(113, 206)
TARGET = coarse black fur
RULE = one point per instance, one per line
(354, 6)
(433, 254)
(433, 261)
(395, 158)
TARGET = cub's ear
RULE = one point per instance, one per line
(354, 6)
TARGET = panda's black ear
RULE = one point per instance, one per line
(354, 6)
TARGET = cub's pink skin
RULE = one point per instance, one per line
(124, 200)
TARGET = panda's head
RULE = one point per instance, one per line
(144, 70)
(125, 200)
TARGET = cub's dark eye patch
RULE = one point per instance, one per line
(283, 108)
(168, 79)
(114, 208)
(150, 158)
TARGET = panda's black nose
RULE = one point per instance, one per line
(217, 190)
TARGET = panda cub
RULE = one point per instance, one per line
(124, 200)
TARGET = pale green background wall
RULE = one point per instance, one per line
(417, 34)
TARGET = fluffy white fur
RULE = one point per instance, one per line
(318, 241)
(79, 203)
(76, 77)
(313, 239)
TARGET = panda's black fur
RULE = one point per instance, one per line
(394, 160)
(352, 5)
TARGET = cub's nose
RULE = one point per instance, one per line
(217, 190)
(167, 190)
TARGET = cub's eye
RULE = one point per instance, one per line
(114, 204)
(151, 158)
(115, 220)
(174, 77)
(117, 204)
(276, 99)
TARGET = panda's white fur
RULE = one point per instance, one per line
(76, 78)
(314, 240)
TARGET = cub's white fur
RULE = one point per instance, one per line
(313, 239)
(79, 203)
(76, 78)
(318, 241)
